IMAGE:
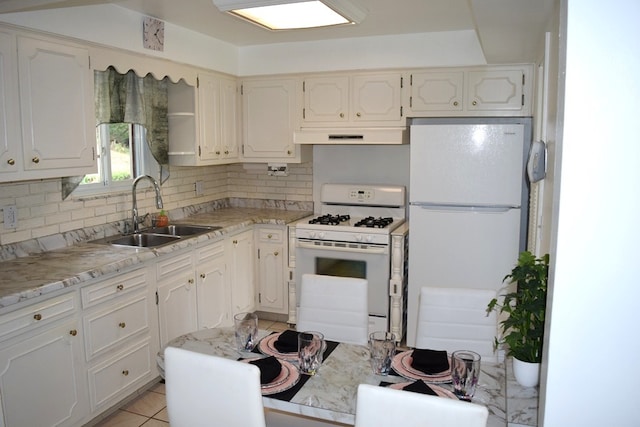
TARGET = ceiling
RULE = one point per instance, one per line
(508, 30)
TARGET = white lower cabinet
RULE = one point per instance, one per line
(214, 295)
(42, 375)
(177, 300)
(240, 260)
(120, 336)
(273, 293)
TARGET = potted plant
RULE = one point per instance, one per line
(522, 311)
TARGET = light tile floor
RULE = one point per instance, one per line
(150, 409)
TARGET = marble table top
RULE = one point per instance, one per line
(331, 393)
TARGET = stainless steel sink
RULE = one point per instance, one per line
(143, 240)
(181, 230)
(158, 236)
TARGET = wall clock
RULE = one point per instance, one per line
(153, 34)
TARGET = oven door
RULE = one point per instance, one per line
(364, 261)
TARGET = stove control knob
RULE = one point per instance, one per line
(358, 237)
(369, 238)
(312, 234)
(321, 235)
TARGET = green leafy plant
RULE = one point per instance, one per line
(523, 328)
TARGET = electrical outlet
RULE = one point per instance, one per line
(199, 189)
(10, 216)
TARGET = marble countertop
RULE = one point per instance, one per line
(48, 271)
(331, 394)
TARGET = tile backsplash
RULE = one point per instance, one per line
(42, 212)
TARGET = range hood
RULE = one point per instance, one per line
(346, 136)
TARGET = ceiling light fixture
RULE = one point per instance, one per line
(293, 14)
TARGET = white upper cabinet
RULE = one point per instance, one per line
(57, 105)
(368, 99)
(47, 112)
(269, 118)
(474, 91)
(203, 122)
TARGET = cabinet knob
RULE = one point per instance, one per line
(455, 103)
(122, 325)
(226, 152)
(11, 162)
(474, 103)
(217, 153)
(269, 236)
(37, 316)
(202, 275)
(342, 115)
(235, 242)
(120, 287)
(276, 253)
(358, 115)
(289, 152)
(73, 332)
(36, 160)
(125, 372)
(191, 281)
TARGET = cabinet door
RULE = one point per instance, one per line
(209, 113)
(212, 287)
(496, 90)
(326, 99)
(229, 118)
(436, 91)
(377, 98)
(177, 302)
(269, 115)
(56, 100)
(241, 272)
(10, 152)
(272, 289)
(41, 379)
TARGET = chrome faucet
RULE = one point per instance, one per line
(134, 210)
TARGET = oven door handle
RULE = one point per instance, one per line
(369, 250)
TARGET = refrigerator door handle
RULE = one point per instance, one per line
(464, 208)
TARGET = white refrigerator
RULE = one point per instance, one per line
(468, 205)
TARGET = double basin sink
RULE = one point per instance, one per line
(157, 236)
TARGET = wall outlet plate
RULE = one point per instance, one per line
(10, 216)
(199, 188)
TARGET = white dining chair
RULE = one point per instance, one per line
(382, 407)
(456, 319)
(204, 391)
(335, 306)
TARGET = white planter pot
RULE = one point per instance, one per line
(527, 374)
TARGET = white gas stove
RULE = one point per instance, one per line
(350, 236)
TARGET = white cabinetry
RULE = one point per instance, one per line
(367, 99)
(269, 117)
(273, 294)
(240, 262)
(203, 121)
(177, 300)
(56, 109)
(476, 91)
(214, 294)
(42, 382)
(121, 336)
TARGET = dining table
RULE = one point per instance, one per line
(330, 394)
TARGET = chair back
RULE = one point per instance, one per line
(204, 390)
(456, 319)
(382, 407)
(335, 306)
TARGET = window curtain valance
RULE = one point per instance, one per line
(127, 98)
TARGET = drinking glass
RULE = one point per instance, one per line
(382, 347)
(310, 349)
(246, 327)
(465, 370)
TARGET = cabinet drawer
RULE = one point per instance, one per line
(111, 288)
(272, 235)
(42, 313)
(109, 380)
(174, 265)
(109, 327)
(209, 252)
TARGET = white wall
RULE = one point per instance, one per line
(590, 366)
(119, 27)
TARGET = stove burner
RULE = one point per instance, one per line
(330, 219)
(372, 222)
